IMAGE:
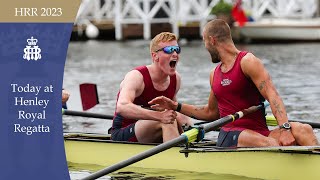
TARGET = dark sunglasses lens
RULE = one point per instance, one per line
(170, 49)
(178, 50)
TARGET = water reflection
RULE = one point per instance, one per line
(158, 174)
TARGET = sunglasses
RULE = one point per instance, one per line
(170, 49)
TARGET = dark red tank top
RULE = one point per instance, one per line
(235, 92)
(147, 95)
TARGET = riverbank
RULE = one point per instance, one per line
(134, 31)
(187, 32)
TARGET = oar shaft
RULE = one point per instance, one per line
(271, 121)
(139, 157)
(86, 114)
(222, 121)
(311, 123)
(218, 123)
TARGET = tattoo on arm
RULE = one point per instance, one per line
(278, 110)
(199, 108)
(196, 109)
(274, 89)
(262, 85)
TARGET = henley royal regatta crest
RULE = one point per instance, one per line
(32, 51)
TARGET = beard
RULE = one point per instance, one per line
(215, 56)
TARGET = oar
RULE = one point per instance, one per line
(83, 97)
(271, 121)
(86, 97)
(186, 137)
(86, 114)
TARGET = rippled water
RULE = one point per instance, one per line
(294, 69)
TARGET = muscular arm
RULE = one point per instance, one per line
(130, 88)
(208, 112)
(253, 68)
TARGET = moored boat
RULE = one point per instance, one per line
(282, 29)
(293, 162)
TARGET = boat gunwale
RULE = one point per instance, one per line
(201, 147)
(104, 139)
(276, 149)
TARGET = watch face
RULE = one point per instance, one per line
(286, 125)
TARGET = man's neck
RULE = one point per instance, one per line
(157, 75)
(228, 54)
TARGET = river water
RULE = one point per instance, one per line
(294, 69)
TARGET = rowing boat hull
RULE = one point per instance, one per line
(266, 163)
(282, 29)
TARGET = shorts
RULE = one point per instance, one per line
(124, 134)
(228, 138)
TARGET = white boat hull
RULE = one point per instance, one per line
(276, 29)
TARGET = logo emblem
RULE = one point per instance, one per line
(32, 51)
(226, 82)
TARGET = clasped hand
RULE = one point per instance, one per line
(166, 106)
(286, 138)
(161, 103)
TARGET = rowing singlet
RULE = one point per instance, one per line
(235, 92)
(147, 95)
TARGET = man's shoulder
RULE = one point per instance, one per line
(133, 79)
(134, 74)
(249, 59)
(140, 68)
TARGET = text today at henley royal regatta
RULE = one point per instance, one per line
(33, 115)
(29, 130)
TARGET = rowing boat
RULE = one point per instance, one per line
(292, 162)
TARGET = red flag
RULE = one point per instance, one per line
(238, 13)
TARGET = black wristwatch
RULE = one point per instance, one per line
(286, 126)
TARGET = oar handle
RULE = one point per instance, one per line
(86, 114)
(237, 115)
